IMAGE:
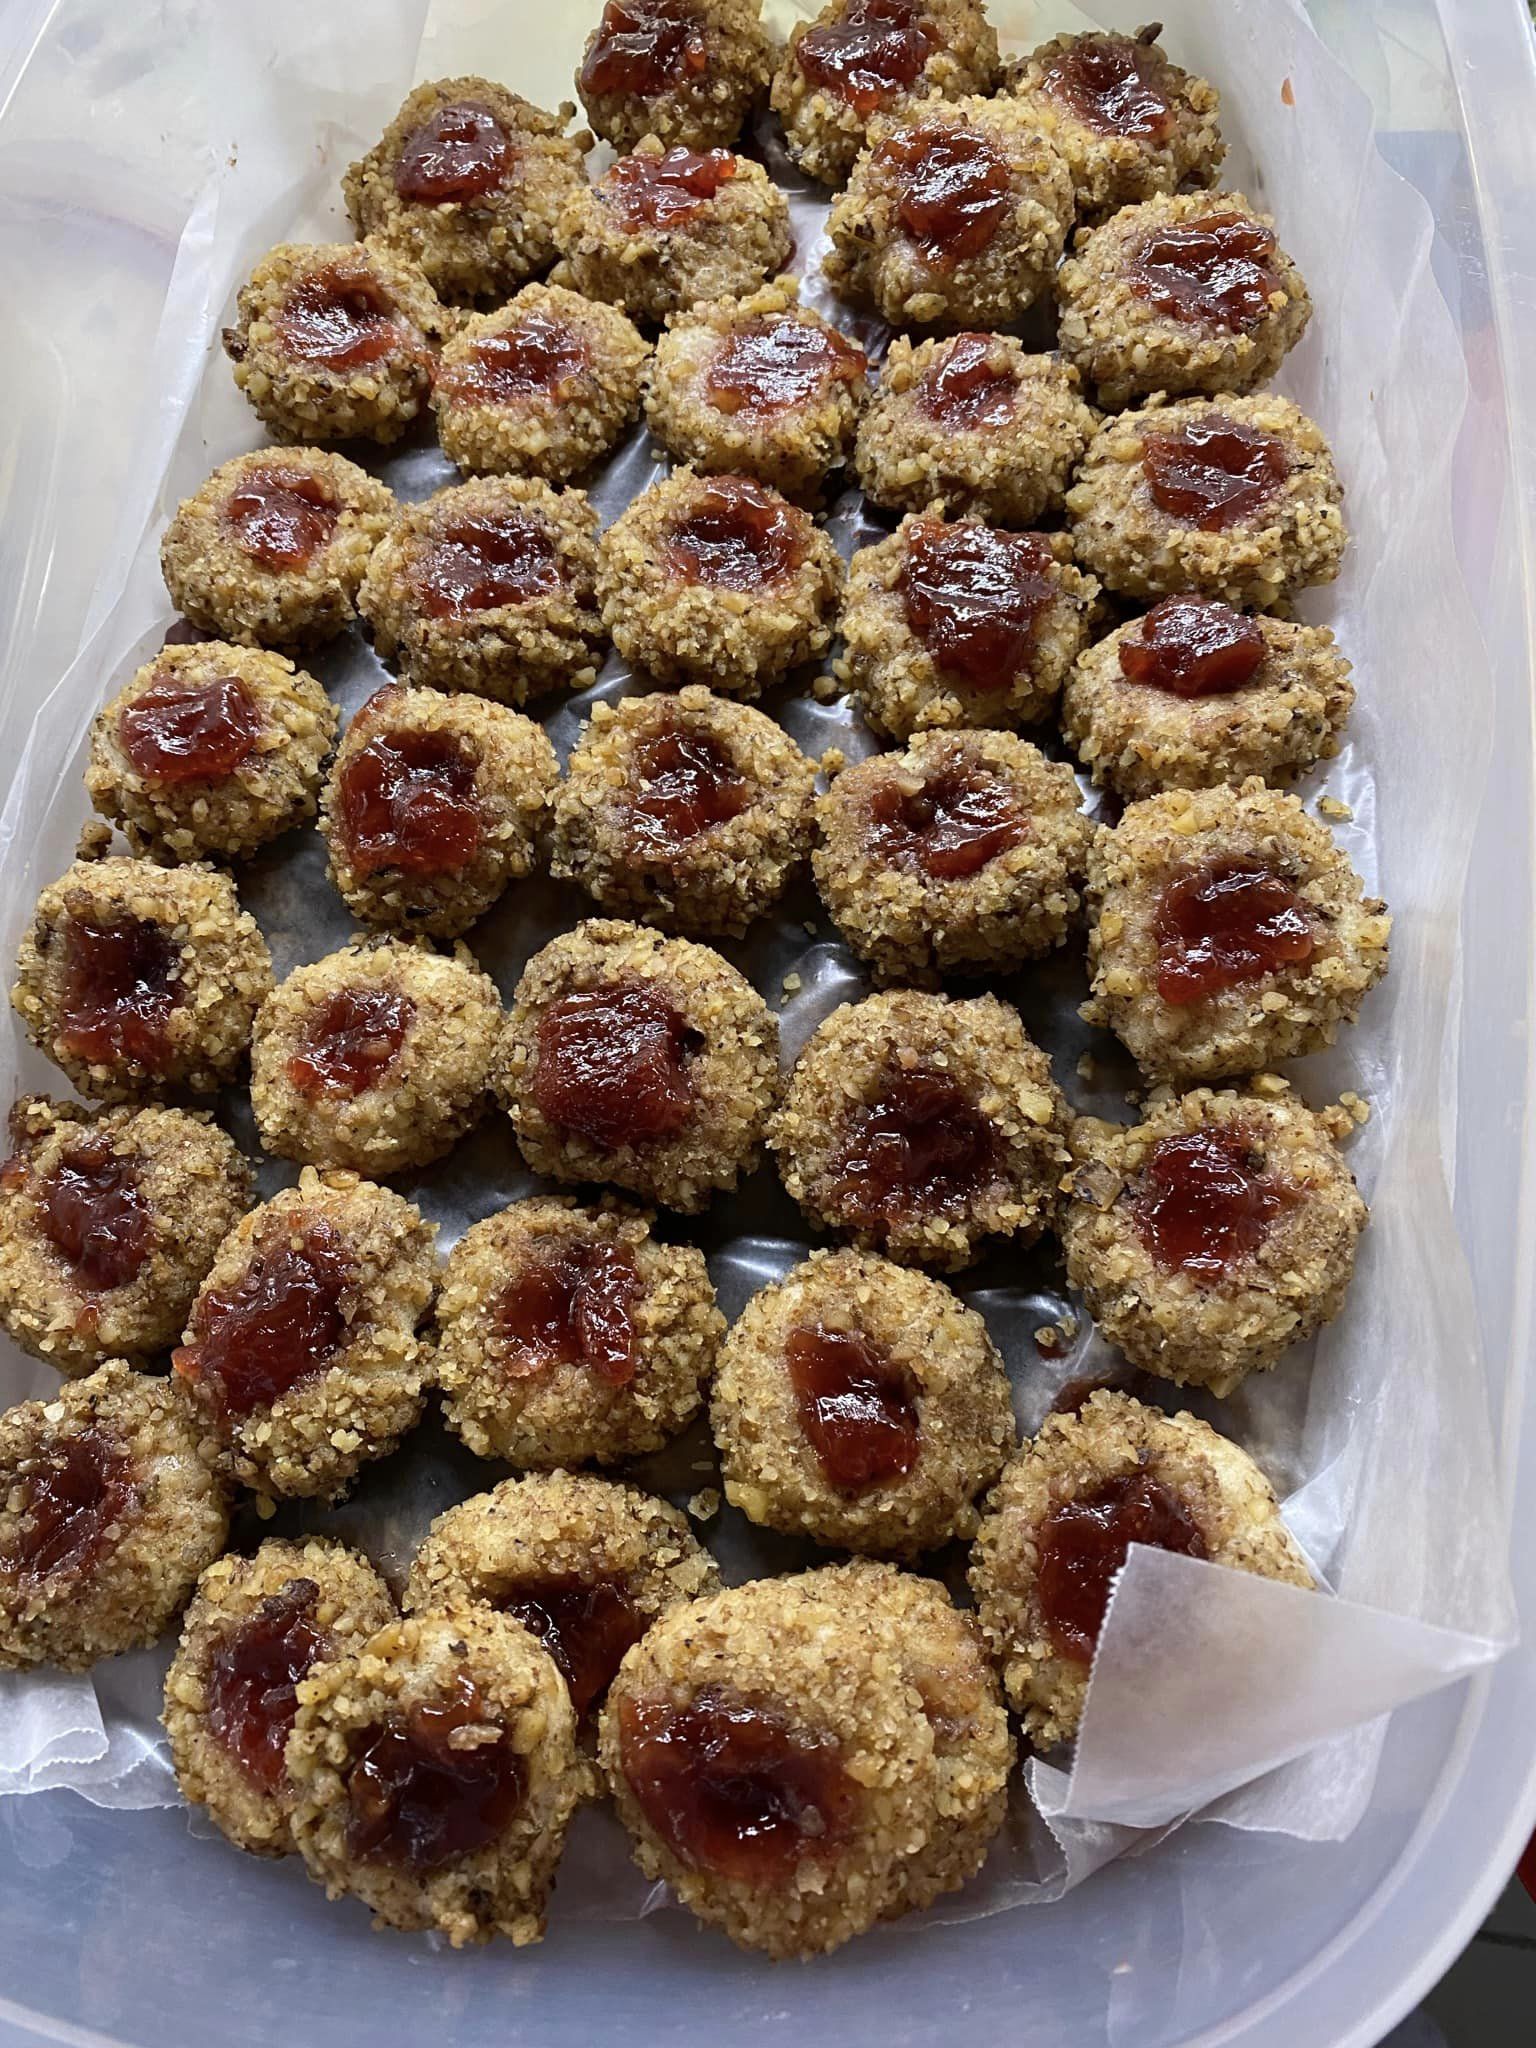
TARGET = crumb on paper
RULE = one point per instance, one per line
(1270, 1084)
(1287, 93)
(1334, 807)
(705, 1504)
(1088, 1070)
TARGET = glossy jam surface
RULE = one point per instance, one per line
(459, 152)
(76, 1495)
(856, 1405)
(1214, 271)
(340, 319)
(253, 1679)
(963, 391)
(180, 731)
(614, 1065)
(570, 1305)
(872, 50)
(954, 189)
(1213, 472)
(962, 817)
(922, 1148)
(769, 363)
(421, 1793)
(477, 565)
(1226, 923)
(1206, 1201)
(1083, 1544)
(735, 535)
(665, 191)
(280, 1324)
(280, 517)
(93, 1212)
(407, 801)
(1106, 81)
(350, 1043)
(585, 1624)
(645, 47)
(1193, 647)
(541, 357)
(974, 596)
(121, 979)
(686, 785)
(731, 1787)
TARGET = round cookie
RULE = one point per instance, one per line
(1064, 1514)
(648, 1062)
(685, 71)
(571, 1336)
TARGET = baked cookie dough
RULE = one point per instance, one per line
(334, 340)
(543, 387)
(972, 423)
(433, 806)
(467, 182)
(961, 624)
(921, 1127)
(108, 1512)
(862, 1405)
(571, 1336)
(717, 580)
(108, 1223)
(488, 587)
(663, 228)
(685, 71)
(686, 811)
(255, 1631)
(961, 855)
(1063, 1517)
(955, 216)
(134, 978)
(1227, 932)
(435, 1771)
(1188, 293)
(1128, 121)
(1195, 693)
(271, 549)
(762, 386)
(210, 751)
(861, 57)
(1237, 498)
(648, 1062)
(300, 1353)
(1214, 1234)
(584, 1563)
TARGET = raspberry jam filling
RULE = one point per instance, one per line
(735, 535)
(666, 191)
(1106, 81)
(76, 1497)
(871, 51)
(1214, 271)
(121, 979)
(425, 1791)
(645, 47)
(92, 1210)
(178, 731)
(974, 596)
(922, 1148)
(585, 1624)
(1213, 472)
(459, 152)
(770, 363)
(1206, 1201)
(856, 1405)
(350, 1043)
(541, 357)
(407, 802)
(686, 784)
(1232, 921)
(478, 565)
(570, 1305)
(950, 825)
(341, 319)
(963, 391)
(614, 1065)
(1193, 647)
(954, 186)
(1084, 1543)
(253, 1680)
(280, 1324)
(280, 517)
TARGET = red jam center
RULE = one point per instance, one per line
(650, 191)
(921, 1149)
(121, 980)
(645, 47)
(76, 1496)
(92, 1211)
(176, 732)
(282, 1321)
(1205, 1201)
(253, 1680)
(731, 1787)
(856, 1405)
(572, 1306)
(1106, 82)
(337, 318)
(974, 597)
(585, 1624)
(350, 1044)
(687, 785)
(962, 390)
(962, 817)
(768, 364)
(954, 189)
(477, 565)
(1213, 472)
(1215, 270)
(540, 357)
(407, 802)
(1083, 1544)
(872, 50)
(614, 1065)
(423, 1792)
(1193, 647)
(1229, 922)
(735, 535)
(280, 517)
(459, 152)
